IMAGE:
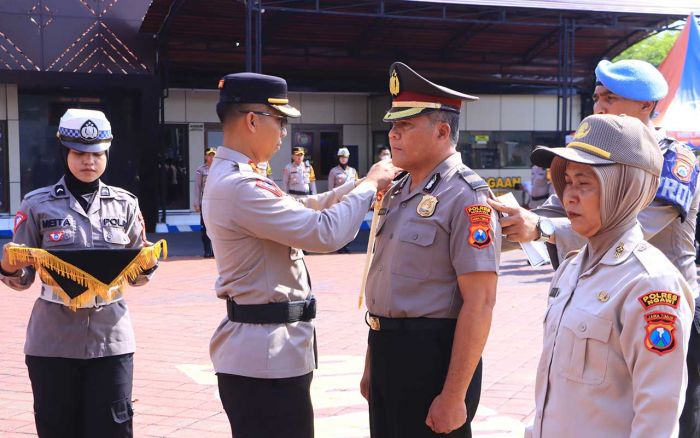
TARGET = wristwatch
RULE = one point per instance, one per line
(546, 229)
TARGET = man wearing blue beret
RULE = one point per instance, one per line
(634, 88)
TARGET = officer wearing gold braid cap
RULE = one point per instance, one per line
(619, 317)
(432, 283)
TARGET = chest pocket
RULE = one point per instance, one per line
(589, 347)
(58, 237)
(412, 255)
(116, 237)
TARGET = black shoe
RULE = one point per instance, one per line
(209, 255)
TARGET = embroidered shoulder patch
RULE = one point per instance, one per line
(20, 217)
(270, 187)
(480, 228)
(659, 298)
(660, 337)
(56, 236)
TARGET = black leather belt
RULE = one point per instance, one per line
(380, 323)
(272, 313)
(539, 198)
(297, 192)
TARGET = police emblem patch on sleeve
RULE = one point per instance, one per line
(56, 236)
(660, 337)
(480, 228)
(20, 217)
(270, 187)
(659, 298)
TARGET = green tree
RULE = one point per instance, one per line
(653, 49)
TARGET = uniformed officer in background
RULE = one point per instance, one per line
(634, 87)
(619, 316)
(200, 179)
(432, 284)
(342, 173)
(80, 361)
(264, 350)
(298, 178)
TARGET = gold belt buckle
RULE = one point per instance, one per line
(374, 323)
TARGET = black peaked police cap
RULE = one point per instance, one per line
(238, 88)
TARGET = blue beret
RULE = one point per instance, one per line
(632, 79)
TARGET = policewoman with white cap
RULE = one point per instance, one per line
(619, 317)
(342, 173)
(80, 361)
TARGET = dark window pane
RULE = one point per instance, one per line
(4, 174)
(174, 169)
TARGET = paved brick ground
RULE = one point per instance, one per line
(175, 389)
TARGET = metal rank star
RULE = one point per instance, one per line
(427, 205)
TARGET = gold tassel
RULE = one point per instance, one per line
(42, 261)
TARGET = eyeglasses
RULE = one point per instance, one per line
(283, 120)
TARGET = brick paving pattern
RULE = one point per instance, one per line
(175, 388)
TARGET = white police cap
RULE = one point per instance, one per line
(343, 152)
(85, 130)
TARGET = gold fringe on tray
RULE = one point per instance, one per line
(42, 261)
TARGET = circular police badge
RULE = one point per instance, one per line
(89, 130)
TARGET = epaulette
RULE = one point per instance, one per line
(122, 191)
(45, 190)
(470, 177)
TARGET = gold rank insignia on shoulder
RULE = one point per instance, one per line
(394, 85)
(603, 296)
(427, 205)
(619, 250)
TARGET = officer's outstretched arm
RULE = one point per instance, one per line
(327, 199)
(266, 213)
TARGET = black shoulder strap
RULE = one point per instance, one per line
(470, 177)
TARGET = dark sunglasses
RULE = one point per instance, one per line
(283, 120)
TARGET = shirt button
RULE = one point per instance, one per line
(391, 236)
(403, 205)
(642, 246)
(379, 268)
(415, 236)
(582, 327)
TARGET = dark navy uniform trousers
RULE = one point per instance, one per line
(270, 408)
(407, 371)
(82, 398)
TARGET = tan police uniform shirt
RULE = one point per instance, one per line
(52, 218)
(417, 259)
(615, 342)
(200, 179)
(298, 178)
(258, 234)
(339, 176)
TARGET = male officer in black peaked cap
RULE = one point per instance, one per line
(432, 282)
(263, 350)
